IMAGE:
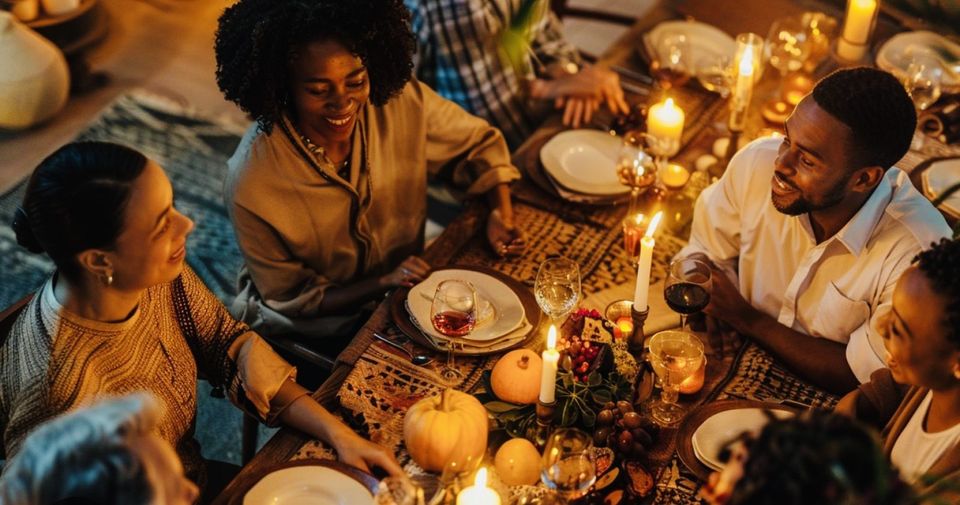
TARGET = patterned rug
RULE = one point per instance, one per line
(193, 151)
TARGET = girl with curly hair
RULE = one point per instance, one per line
(327, 192)
(916, 400)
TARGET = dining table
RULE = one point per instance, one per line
(373, 383)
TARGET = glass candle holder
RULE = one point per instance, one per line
(747, 65)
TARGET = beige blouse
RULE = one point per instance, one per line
(54, 361)
(302, 228)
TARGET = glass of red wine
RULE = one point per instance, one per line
(453, 314)
(687, 288)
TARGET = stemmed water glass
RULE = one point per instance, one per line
(675, 356)
(923, 78)
(569, 464)
(687, 287)
(787, 48)
(671, 66)
(453, 314)
(636, 169)
(557, 287)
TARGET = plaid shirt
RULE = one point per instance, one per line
(459, 57)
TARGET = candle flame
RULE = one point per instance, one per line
(746, 62)
(552, 337)
(653, 224)
(481, 479)
(669, 104)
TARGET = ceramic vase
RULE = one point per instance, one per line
(35, 81)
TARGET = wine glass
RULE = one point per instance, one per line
(923, 78)
(675, 356)
(671, 66)
(453, 314)
(569, 464)
(787, 49)
(636, 169)
(716, 73)
(557, 288)
(398, 491)
(687, 288)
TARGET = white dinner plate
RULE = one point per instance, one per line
(721, 428)
(584, 161)
(705, 41)
(894, 55)
(302, 485)
(940, 176)
(507, 311)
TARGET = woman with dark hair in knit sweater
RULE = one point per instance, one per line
(123, 313)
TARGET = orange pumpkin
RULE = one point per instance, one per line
(516, 377)
(447, 428)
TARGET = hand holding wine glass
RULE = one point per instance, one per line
(557, 288)
(453, 314)
(687, 287)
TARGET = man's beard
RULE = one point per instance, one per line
(802, 205)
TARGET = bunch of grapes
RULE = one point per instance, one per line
(624, 430)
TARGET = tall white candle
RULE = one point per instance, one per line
(642, 291)
(665, 124)
(478, 493)
(548, 377)
(742, 91)
(856, 29)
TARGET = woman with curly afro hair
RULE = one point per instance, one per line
(327, 191)
(921, 427)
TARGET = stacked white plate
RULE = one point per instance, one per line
(937, 178)
(894, 55)
(501, 321)
(704, 41)
(300, 485)
(722, 428)
(584, 162)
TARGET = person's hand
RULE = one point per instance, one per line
(726, 302)
(411, 271)
(720, 485)
(582, 93)
(504, 237)
(364, 454)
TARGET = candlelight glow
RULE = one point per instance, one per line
(481, 479)
(638, 219)
(746, 63)
(552, 337)
(653, 223)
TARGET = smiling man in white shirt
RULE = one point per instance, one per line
(813, 230)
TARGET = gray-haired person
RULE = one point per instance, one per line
(106, 453)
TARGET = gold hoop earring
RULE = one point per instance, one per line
(107, 278)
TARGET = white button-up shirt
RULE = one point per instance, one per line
(835, 289)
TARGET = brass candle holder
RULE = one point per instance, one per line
(616, 312)
(545, 413)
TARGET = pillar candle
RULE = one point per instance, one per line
(665, 124)
(478, 493)
(856, 29)
(548, 377)
(642, 290)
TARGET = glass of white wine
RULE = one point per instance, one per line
(557, 288)
(675, 356)
(569, 465)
